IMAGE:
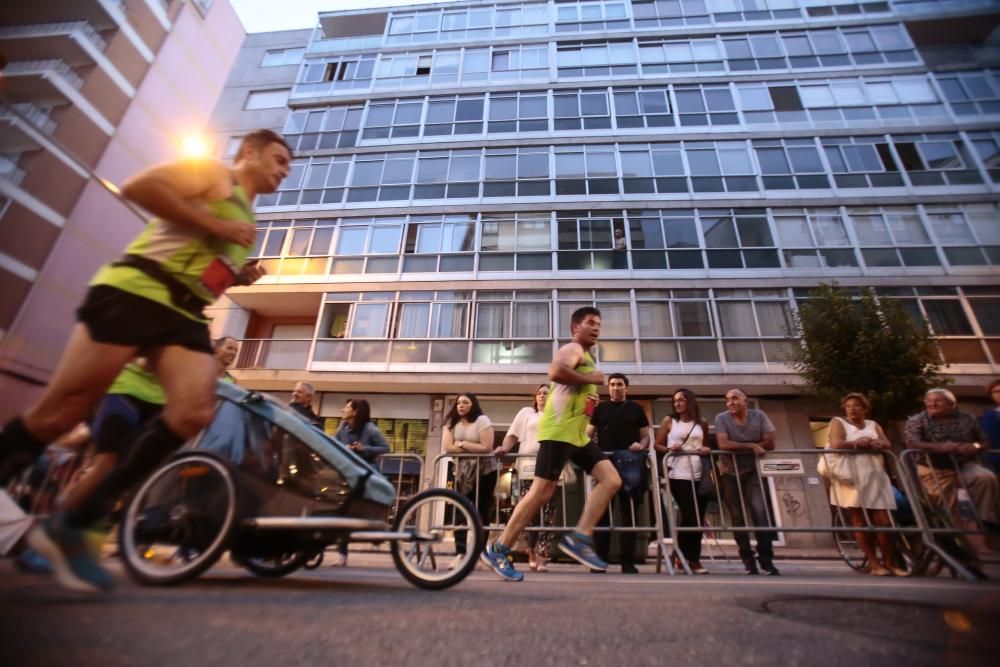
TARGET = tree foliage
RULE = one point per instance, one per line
(859, 343)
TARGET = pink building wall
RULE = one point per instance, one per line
(175, 98)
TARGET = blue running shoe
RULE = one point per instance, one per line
(580, 548)
(33, 562)
(497, 557)
(67, 551)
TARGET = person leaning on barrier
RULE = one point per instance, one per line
(990, 422)
(865, 492)
(621, 430)
(523, 434)
(747, 434)
(363, 437)
(685, 431)
(302, 401)
(943, 431)
(468, 431)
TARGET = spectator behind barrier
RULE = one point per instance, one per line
(991, 425)
(468, 431)
(302, 398)
(748, 434)
(523, 435)
(621, 430)
(858, 482)
(360, 433)
(943, 431)
(685, 431)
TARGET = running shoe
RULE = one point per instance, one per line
(31, 561)
(67, 551)
(580, 548)
(497, 557)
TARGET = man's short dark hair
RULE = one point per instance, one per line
(618, 376)
(260, 139)
(580, 314)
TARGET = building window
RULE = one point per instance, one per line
(267, 99)
(282, 57)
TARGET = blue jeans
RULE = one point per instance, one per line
(750, 484)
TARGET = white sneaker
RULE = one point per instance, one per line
(339, 560)
(456, 561)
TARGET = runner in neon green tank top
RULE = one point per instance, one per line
(562, 437)
(150, 302)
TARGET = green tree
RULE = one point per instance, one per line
(854, 342)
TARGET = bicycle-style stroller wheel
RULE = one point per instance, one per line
(276, 566)
(847, 545)
(429, 517)
(180, 521)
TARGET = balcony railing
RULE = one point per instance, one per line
(273, 354)
(29, 67)
(37, 117)
(49, 29)
(345, 44)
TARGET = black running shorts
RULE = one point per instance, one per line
(116, 317)
(119, 419)
(553, 455)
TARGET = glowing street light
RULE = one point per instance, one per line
(194, 145)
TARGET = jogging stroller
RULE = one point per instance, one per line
(275, 491)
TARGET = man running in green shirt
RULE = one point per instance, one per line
(562, 437)
(150, 303)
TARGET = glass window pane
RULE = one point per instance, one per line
(352, 240)
(369, 320)
(736, 319)
(385, 239)
(947, 318)
(692, 318)
(774, 318)
(412, 319)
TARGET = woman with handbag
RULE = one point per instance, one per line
(468, 431)
(681, 437)
(523, 435)
(858, 482)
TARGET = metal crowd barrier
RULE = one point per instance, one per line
(394, 467)
(910, 489)
(948, 497)
(496, 522)
(666, 528)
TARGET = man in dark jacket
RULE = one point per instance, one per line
(302, 398)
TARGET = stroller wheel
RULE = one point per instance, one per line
(276, 566)
(430, 517)
(180, 521)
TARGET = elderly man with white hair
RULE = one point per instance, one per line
(942, 431)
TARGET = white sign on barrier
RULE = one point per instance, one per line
(777, 467)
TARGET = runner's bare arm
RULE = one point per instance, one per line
(174, 190)
(563, 368)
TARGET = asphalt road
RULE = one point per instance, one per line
(366, 614)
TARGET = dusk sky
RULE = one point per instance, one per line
(267, 15)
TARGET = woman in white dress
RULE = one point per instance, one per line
(859, 483)
(523, 435)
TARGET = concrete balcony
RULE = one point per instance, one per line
(72, 42)
(273, 354)
(75, 43)
(50, 83)
(22, 123)
(100, 14)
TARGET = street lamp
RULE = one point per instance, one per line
(194, 146)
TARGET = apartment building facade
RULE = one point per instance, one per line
(467, 174)
(92, 92)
